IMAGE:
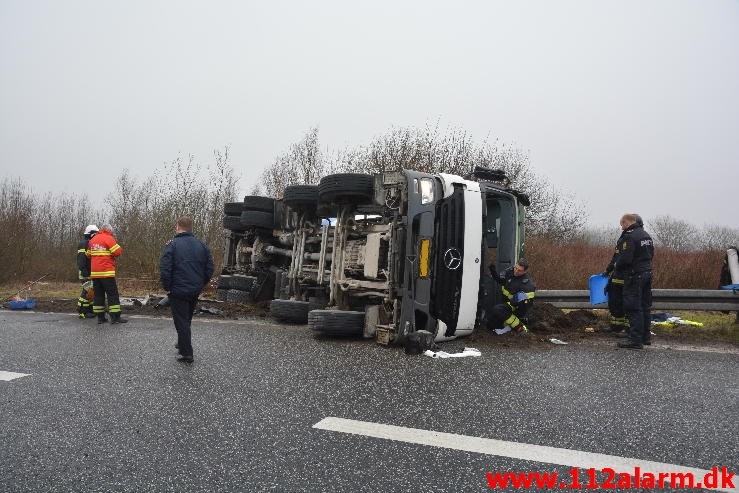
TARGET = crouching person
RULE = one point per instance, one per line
(518, 288)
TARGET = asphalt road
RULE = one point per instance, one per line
(108, 408)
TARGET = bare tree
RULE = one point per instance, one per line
(715, 237)
(144, 212)
(599, 236)
(302, 164)
(672, 233)
(553, 212)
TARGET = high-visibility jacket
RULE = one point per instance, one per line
(102, 249)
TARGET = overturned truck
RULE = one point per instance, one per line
(382, 255)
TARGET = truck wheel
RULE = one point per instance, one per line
(353, 188)
(244, 283)
(336, 322)
(258, 219)
(233, 208)
(301, 198)
(290, 310)
(233, 223)
(258, 203)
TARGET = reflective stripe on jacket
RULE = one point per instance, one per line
(102, 249)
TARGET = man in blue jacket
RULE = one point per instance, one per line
(185, 268)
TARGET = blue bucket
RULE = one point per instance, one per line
(598, 284)
(28, 304)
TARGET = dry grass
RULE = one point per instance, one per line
(68, 290)
(717, 327)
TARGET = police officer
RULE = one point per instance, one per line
(84, 304)
(519, 291)
(185, 267)
(635, 253)
(619, 324)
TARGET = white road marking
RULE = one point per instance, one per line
(513, 450)
(9, 375)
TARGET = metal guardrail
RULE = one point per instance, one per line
(662, 299)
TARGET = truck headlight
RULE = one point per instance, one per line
(427, 190)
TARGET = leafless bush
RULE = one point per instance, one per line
(599, 236)
(674, 234)
(556, 265)
(714, 237)
(144, 212)
(302, 164)
(17, 219)
(40, 236)
(553, 212)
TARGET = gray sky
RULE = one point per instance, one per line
(630, 105)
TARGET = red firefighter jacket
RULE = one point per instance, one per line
(102, 250)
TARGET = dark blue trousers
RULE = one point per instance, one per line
(637, 304)
(182, 310)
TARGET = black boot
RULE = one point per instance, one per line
(115, 318)
(101, 318)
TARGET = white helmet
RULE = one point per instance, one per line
(91, 229)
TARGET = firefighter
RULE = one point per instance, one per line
(519, 291)
(103, 250)
(84, 304)
(635, 253)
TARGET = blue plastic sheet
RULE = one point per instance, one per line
(27, 304)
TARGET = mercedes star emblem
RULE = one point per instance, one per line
(452, 259)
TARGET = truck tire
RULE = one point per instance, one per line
(259, 203)
(242, 282)
(336, 322)
(257, 219)
(290, 310)
(354, 188)
(233, 208)
(301, 198)
(233, 223)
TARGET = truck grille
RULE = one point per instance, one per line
(446, 284)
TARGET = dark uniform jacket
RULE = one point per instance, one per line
(618, 274)
(83, 262)
(635, 251)
(186, 266)
(512, 286)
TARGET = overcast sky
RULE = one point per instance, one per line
(629, 105)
